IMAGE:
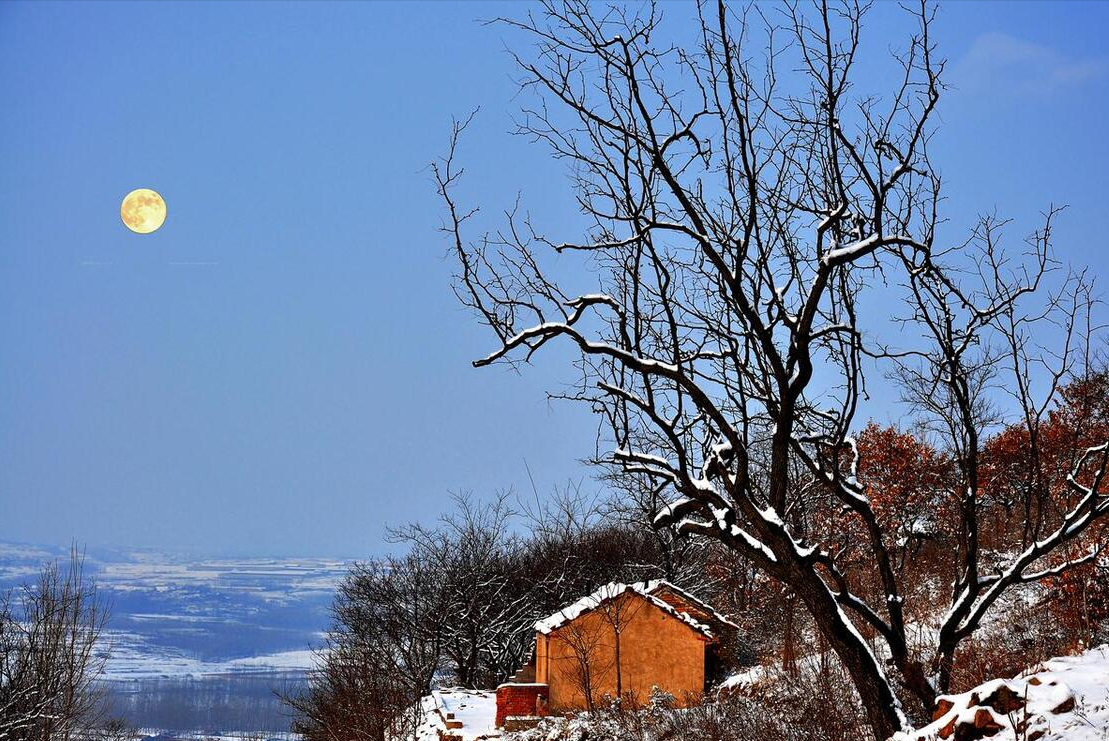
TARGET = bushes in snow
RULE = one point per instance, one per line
(815, 704)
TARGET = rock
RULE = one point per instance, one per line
(984, 724)
(1064, 707)
(1062, 699)
(943, 705)
(1003, 700)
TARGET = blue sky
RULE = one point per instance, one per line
(282, 368)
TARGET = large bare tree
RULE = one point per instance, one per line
(745, 200)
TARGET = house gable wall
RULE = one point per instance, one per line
(656, 649)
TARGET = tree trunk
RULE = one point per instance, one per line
(882, 708)
(619, 682)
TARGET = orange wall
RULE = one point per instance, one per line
(656, 649)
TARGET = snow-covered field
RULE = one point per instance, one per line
(179, 616)
(132, 656)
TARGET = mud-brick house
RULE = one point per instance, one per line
(623, 640)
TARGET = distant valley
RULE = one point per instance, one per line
(200, 644)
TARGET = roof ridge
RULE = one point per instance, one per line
(610, 591)
(657, 583)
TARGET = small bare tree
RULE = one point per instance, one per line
(354, 697)
(477, 558)
(586, 641)
(738, 222)
(618, 612)
(50, 656)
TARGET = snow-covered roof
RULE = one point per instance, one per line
(615, 589)
(656, 584)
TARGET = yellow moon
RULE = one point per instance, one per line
(143, 211)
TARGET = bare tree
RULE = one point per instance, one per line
(478, 560)
(50, 657)
(738, 221)
(995, 330)
(618, 613)
(382, 653)
(592, 663)
(353, 696)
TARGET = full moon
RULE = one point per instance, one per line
(143, 211)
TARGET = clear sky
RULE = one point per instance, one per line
(282, 368)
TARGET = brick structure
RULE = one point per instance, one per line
(527, 699)
(668, 640)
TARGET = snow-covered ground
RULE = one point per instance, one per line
(476, 710)
(1063, 699)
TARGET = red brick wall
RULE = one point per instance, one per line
(520, 699)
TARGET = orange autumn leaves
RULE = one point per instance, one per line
(908, 481)
(909, 484)
(1033, 461)
(915, 488)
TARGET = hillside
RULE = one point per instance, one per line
(1063, 699)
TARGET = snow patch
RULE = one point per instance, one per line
(444, 709)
